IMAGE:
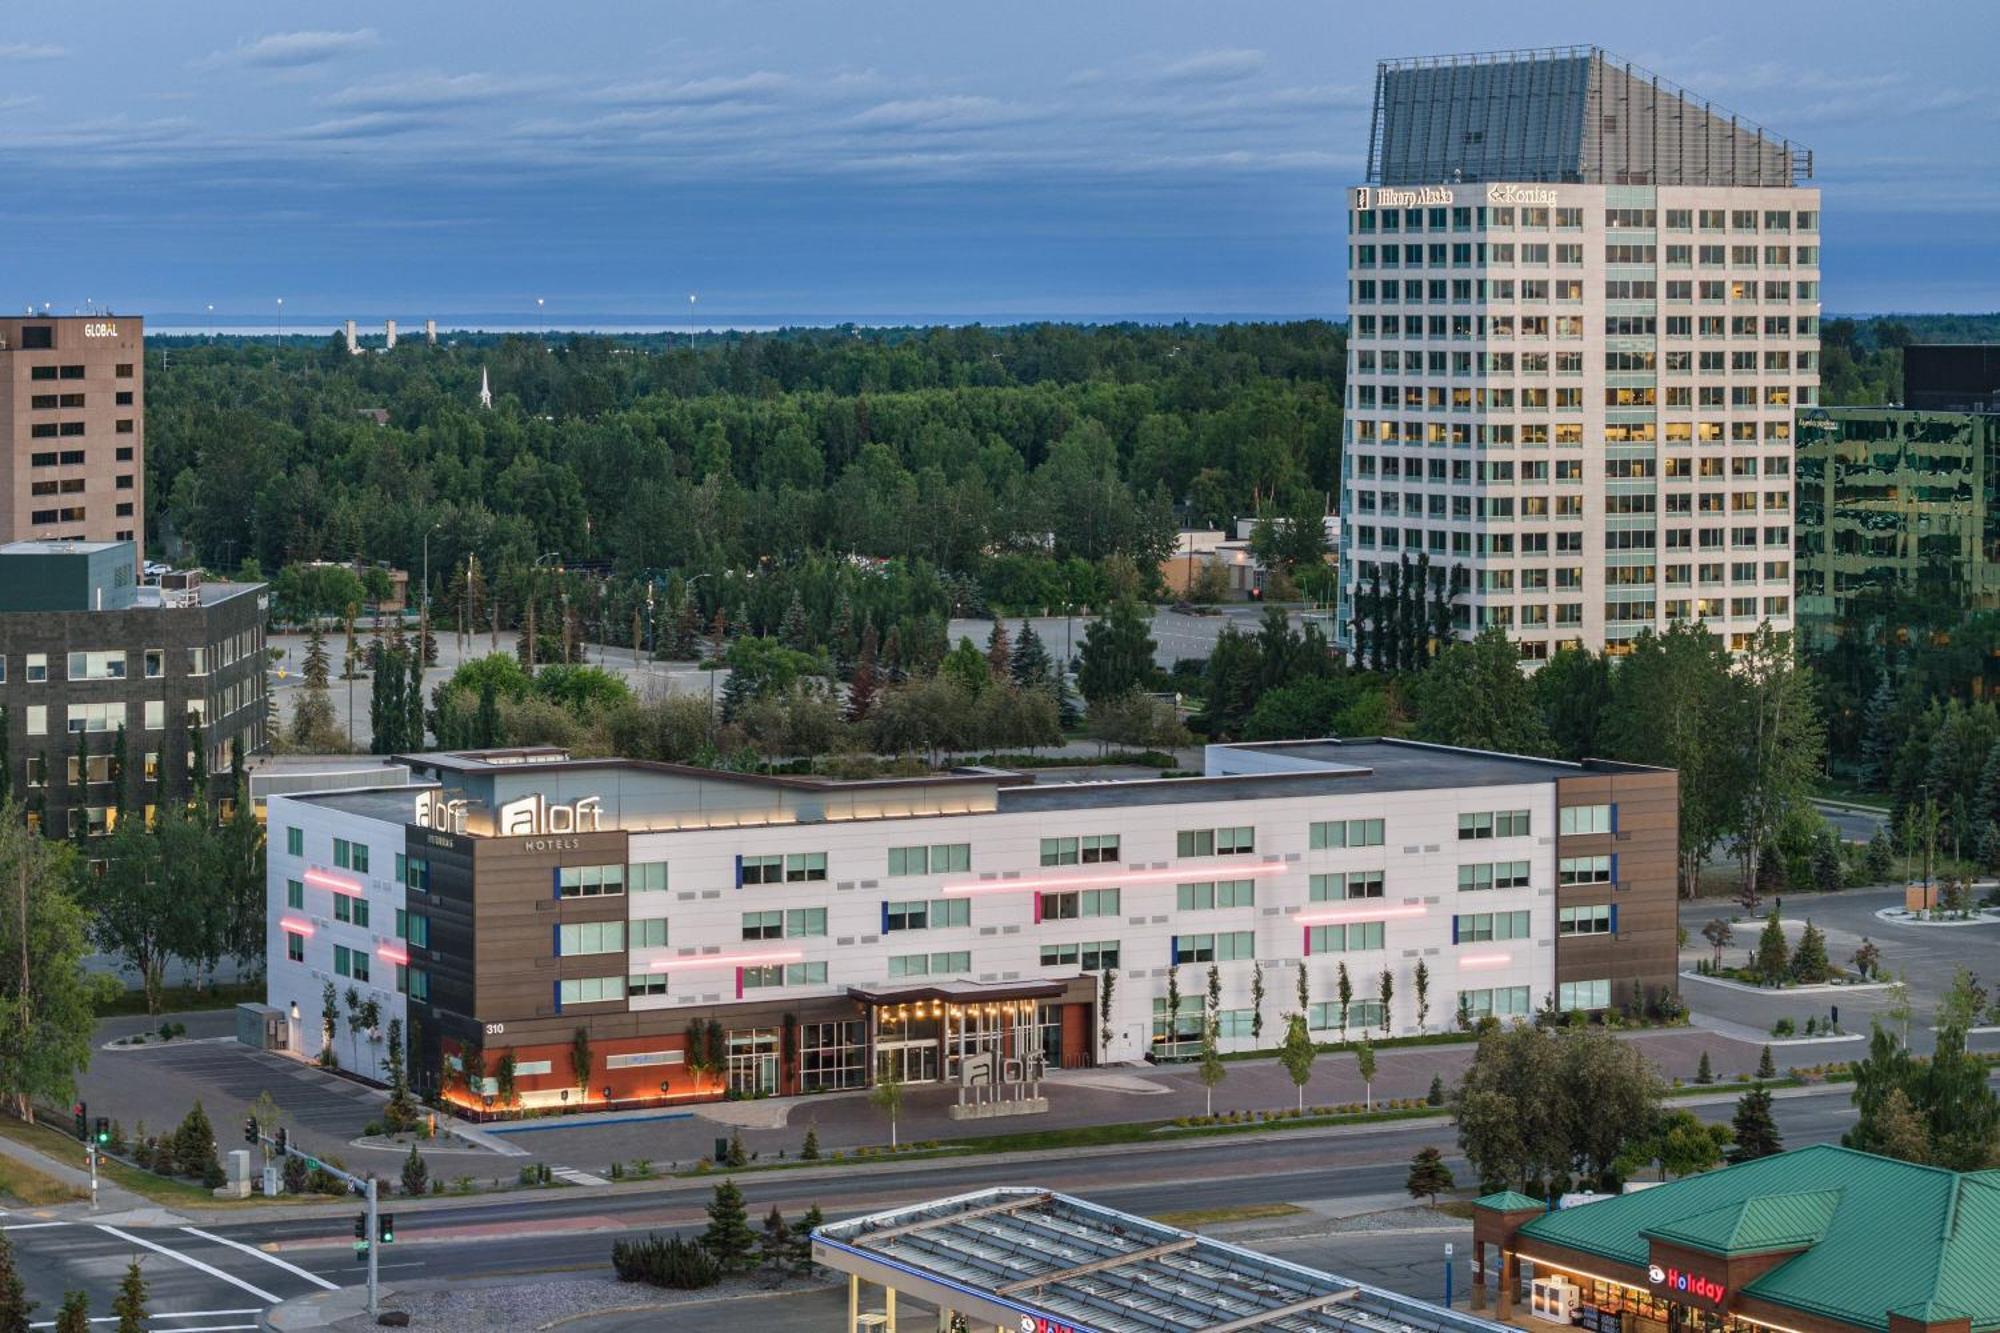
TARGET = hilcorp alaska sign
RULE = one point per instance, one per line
(1439, 196)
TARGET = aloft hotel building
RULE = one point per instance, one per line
(1585, 308)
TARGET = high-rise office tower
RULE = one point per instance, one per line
(1585, 305)
(73, 429)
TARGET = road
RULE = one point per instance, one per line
(220, 1274)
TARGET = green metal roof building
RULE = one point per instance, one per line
(1821, 1240)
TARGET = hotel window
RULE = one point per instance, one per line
(1595, 920)
(1353, 937)
(1224, 947)
(763, 925)
(927, 914)
(1494, 824)
(1341, 887)
(350, 909)
(936, 859)
(589, 990)
(414, 927)
(1212, 894)
(1091, 955)
(1585, 819)
(1573, 995)
(350, 963)
(350, 855)
(1485, 927)
(646, 877)
(929, 964)
(1091, 849)
(1347, 833)
(1240, 841)
(590, 881)
(1079, 903)
(640, 983)
(1361, 1015)
(295, 895)
(1493, 875)
(788, 974)
(1583, 870)
(805, 922)
(590, 937)
(295, 842)
(1474, 1005)
(295, 946)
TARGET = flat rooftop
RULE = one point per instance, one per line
(1034, 1253)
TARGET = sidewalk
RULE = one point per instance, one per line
(114, 1203)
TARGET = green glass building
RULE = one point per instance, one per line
(1895, 498)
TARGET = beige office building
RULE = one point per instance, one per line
(1585, 307)
(72, 409)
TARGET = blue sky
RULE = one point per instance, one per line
(821, 160)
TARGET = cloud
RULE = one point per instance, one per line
(293, 50)
(403, 92)
(369, 125)
(695, 92)
(938, 113)
(1214, 67)
(31, 51)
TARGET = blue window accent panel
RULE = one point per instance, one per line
(1614, 870)
(1614, 816)
(1174, 951)
(1454, 930)
(555, 882)
(1614, 918)
(885, 905)
(555, 993)
(555, 939)
(739, 879)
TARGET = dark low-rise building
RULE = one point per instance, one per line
(112, 687)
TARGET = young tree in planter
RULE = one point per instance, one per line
(329, 1023)
(1766, 1066)
(728, 1236)
(401, 1110)
(352, 1002)
(370, 1016)
(1213, 1071)
(15, 1307)
(1298, 1053)
(887, 1097)
(1304, 989)
(1214, 990)
(74, 1317)
(1385, 991)
(416, 1175)
(1104, 1010)
(1344, 989)
(775, 1248)
(802, 1247)
(738, 1155)
(1719, 935)
(504, 1072)
(1257, 999)
(1421, 979)
(1173, 1009)
(1429, 1176)
(1704, 1072)
(581, 1060)
(809, 1150)
(1364, 1065)
(1867, 959)
(130, 1307)
(1755, 1128)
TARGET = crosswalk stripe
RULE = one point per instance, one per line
(293, 1269)
(184, 1314)
(32, 1226)
(576, 1177)
(190, 1261)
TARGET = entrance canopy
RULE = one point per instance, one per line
(1041, 1262)
(959, 992)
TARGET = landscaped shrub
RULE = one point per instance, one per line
(673, 1262)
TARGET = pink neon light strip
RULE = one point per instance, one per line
(296, 926)
(320, 879)
(390, 954)
(718, 960)
(1362, 914)
(1473, 961)
(1185, 875)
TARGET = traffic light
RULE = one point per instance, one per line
(282, 1136)
(102, 1131)
(82, 1121)
(361, 1235)
(387, 1228)
(250, 1129)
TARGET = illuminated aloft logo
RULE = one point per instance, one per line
(533, 815)
(435, 812)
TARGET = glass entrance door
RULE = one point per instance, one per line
(753, 1062)
(907, 1061)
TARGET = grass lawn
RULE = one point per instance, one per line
(1190, 1219)
(178, 999)
(54, 1143)
(31, 1188)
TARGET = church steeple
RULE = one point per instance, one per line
(485, 390)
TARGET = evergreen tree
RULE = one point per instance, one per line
(1029, 662)
(861, 688)
(74, 1316)
(844, 641)
(1704, 1072)
(775, 1248)
(1882, 734)
(1881, 859)
(15, 1307)
(121, 773)
(728, 1235)
(1809, 961)
(1773, 955)
(1344, 989)
(794, 631)
(1766, 1066)
(894, 665)
(1475, 695)
(413, 697)
(802, 1250)
(416, 1175)
(1117, 653)
(486, 730)
(1756, 1130)
(999, 655)
(1429, 1176)
(130, 1307)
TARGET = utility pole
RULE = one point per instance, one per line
(374, 1251)
(27, 1024)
